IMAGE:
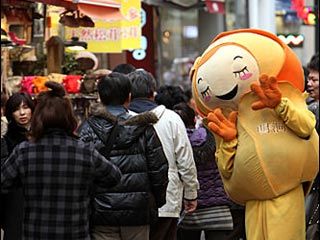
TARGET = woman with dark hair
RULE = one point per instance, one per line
(18, 111)
(213, 214)
(58, 173)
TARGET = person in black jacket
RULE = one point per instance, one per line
(312, 199)
(18, 112)
(58, 173)
(127, 210)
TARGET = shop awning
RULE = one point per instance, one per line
(98, 9)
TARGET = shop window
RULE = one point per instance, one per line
(178, 45)
(236, 14)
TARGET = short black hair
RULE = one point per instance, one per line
(143, 84)
(314, 62)
(186, 113)
(114, 89)
(170, 95)
(14, 102)
(124, 68)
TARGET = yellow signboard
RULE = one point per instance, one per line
(112, 35)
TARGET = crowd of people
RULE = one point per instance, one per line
(142, 166)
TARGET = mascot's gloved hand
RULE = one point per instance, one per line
(223, 127)
(268, 93)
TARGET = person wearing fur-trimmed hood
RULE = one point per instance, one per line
(126, 210)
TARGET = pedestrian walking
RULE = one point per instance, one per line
(183, 183)
(313, 87)
(213, 215)
(18, 112)
(126, 211)
(312, 199)
(57, 172)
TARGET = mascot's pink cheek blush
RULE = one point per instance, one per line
(207, 98)
(246, 76)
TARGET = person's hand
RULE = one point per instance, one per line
(222, 126)
(268, 93)
(190, 205)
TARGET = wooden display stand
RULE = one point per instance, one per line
(55, 54)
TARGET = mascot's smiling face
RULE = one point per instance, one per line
(235, 59)
(225, 75)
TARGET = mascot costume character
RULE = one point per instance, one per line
(248, 85)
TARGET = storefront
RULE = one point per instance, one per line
(181, 30)
(64, 41)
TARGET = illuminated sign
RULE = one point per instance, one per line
(144, 56)
(310, 17)
(292, 40)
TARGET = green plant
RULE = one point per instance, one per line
(70, 65)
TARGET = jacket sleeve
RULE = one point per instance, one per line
(106, 174)
(10, 172)
(185, 162)
(86, 133)
(157, 167)
(302, 122)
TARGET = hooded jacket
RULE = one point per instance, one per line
(137, 151)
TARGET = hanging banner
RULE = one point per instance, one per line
(144, 56)
(112, 35)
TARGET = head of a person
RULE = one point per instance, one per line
(170, 96)
(143, 84)
(19, 108)
(313, 77)
(124, 68)
(53, 111)
(114, 89)
(190, 100)
(186, 113)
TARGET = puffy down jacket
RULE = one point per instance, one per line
(137, 151)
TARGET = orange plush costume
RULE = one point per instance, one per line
(249, 85)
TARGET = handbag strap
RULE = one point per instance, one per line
(106, 149)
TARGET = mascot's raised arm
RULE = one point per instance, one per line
(248, 85)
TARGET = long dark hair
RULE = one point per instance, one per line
(14, 102)
(53, 110)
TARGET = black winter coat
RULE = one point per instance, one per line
(12, 203)
(137, 151)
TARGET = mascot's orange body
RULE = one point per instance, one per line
(249, 84)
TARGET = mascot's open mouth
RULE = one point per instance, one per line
(230, 94)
